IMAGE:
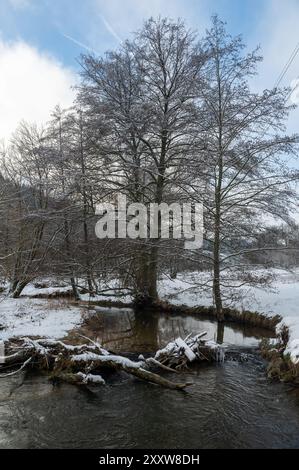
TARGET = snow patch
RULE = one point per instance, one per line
(282, 299)
(90, 378)
(123, 361)
(292, 349)
(37, 317)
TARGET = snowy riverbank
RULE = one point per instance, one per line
(55, 317)
(37, 317)
(281, 299)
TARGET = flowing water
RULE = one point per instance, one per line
(230, 405)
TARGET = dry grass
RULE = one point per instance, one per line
(245, 317)
(280, 366)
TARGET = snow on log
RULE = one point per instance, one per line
(185, 348)
(91, 378)
(81, 364)
(122, 363)
(179, 353)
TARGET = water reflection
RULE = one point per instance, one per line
(124, 330)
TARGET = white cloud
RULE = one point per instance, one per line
(31, 85)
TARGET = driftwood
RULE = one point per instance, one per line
(82, 364)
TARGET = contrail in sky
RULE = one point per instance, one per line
(80, 44)
(110, 29)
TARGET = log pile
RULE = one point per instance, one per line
(83, 364)
(179, 353)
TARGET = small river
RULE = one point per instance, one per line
(230, 405)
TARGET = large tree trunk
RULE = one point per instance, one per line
(146, 277)
(149, 260)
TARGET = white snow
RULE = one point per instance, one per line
(187, 351)
(123, 361)
(31, 291)
(281, 299)
(37, 317)
(52, 318)
(182, 291)
(90, 378)
(292, 322)
(168, 349)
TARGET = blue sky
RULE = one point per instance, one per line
(40, 41)
(46, 23)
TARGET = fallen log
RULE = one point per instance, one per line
(78, 378)
(159, 365)
(134, 368)
(82, 364)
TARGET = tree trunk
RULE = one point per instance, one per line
(216, 281)
(19, 287)
(85, 211)
(87, 255)
(220, 333)
(218, 201)
(153, 273)
(149, 264)
(216, 253)
(146, 277)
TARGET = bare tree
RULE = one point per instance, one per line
(27, 167)
(246, 178)
(145, 93)
(63, 180)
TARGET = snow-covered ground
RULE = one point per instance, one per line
(285, 302)
(281, 299)
(32, 291)
(37, 317)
